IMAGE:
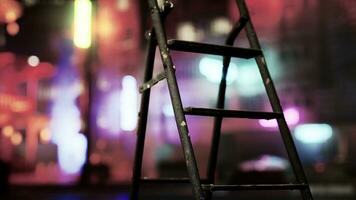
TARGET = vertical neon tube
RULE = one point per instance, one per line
(128, 103)
(82, 23)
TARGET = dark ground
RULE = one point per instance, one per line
(120, 192)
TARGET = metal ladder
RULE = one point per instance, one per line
(201, 191)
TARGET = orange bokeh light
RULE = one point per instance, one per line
(10, 11)
(7, 131)
(16, 138)
(45, 135)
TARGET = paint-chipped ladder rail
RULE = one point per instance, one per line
(203, 189)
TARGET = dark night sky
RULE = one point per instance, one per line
(41, 26)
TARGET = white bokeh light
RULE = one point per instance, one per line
(33, 61)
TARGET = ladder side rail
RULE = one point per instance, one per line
(176, 101)
(275, 103)
(142, 121)
(144, 106)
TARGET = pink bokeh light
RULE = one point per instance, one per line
(291, 114)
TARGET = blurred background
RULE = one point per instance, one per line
(69, 77)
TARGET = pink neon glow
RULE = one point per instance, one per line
(291, 115)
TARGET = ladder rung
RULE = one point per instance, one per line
(213, 49)
(168, 180)
(152, 82)
(212, 187)
(231, 113)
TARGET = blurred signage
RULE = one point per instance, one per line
(13, 103)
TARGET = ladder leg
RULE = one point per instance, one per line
(142, 123)
(275, 103)
(176, 101)
(216, 133)
(220, 105)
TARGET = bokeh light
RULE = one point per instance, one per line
(16, 138)
(211, 68)
(313, 133)
(291, 115)
(82, 23)
(33, 61)
(7, 131)
(128, 103)
(12, 28)
(45, 135)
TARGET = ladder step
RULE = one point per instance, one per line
(152, 82)
(213, 49)
(231, 113)
(168, 180)
(212, 187)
